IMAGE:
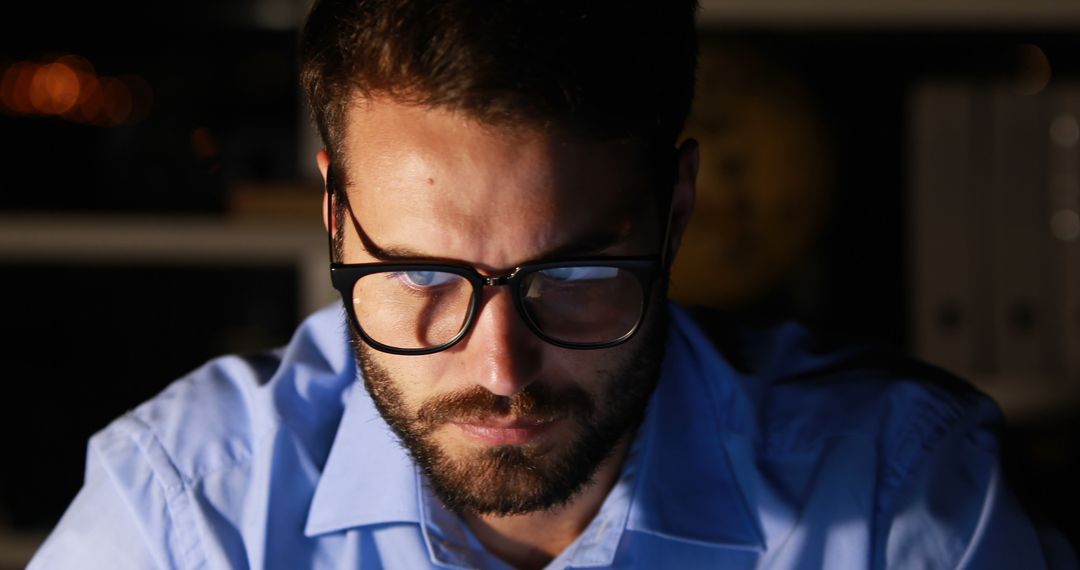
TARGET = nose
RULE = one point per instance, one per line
(501, 353)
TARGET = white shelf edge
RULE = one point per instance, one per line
(82, 239)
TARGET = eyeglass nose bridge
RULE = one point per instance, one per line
(498, 280)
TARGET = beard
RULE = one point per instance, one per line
(509, 480)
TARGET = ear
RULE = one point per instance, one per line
(685, 192)
(322, 159)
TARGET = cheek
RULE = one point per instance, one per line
(590, 370)
(419, 378)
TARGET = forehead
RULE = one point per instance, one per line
(441, 183)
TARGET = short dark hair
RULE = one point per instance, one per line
(603, 68)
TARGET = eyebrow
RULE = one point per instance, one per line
(585, 245)
(590, 243)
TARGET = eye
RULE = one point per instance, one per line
(584, 273)
(427, 278)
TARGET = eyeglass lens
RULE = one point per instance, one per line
(424, 309)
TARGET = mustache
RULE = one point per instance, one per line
(536, 401)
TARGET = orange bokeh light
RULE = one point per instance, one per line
(91, 105)
(117, 101)
(69, 87)
(54, 88)
(77, 63)
(15, 89)
(7, 85)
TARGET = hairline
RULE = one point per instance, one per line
(516, 124)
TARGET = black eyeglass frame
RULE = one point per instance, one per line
(647, 269)
(345, 276)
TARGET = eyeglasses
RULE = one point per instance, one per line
(422, 308)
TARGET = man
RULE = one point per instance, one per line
(507, 386)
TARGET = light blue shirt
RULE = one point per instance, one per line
(771, 453)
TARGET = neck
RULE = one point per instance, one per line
(535, 539)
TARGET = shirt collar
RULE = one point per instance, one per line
(686, 488)
(368, 478)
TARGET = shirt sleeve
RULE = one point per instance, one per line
(120, 517)
(955, 509)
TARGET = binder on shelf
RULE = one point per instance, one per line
(1063, 196)
(940, 225)
(994, 218)
(1022, 309)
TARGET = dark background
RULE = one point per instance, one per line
(85, 342)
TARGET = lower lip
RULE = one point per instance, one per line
(493, 435)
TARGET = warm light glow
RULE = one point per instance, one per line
(70, 88)
(87, 78)
(7, 85)
(54, 89)
(91, 105)
(78, 64)
(16, 88)
(39, 99)
(117, 101)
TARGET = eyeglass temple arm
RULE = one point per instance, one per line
(330, 212)
(666, 253)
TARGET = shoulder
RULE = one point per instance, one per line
(906, 447)
(197, 451)
(806, 388)
(214, 417)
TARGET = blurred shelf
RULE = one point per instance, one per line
(1029, 399)
(201, 241)
(17, 548)
(994, 284)
(285, 201)
(917, 14)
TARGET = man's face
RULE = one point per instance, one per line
(502, 422)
